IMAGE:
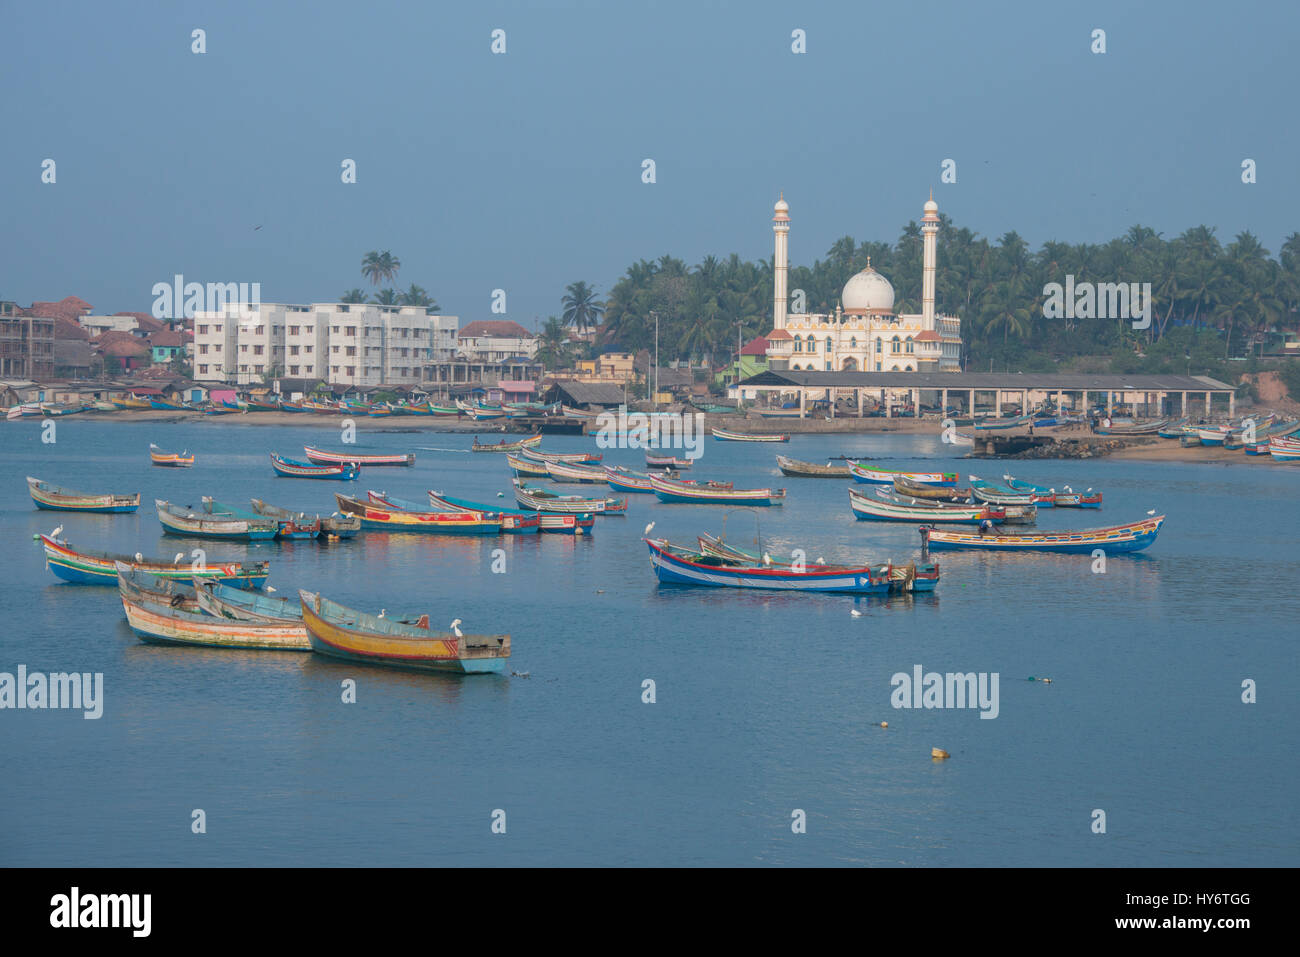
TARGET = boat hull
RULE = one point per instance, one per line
(676, 570)
(1116, 540)
(90, 568)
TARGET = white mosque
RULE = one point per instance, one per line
(864, 334)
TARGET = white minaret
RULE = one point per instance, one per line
(930, 233)
(781, 295)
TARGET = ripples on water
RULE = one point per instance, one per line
(765, 703)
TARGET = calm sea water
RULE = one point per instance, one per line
(765, 703)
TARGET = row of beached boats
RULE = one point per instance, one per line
(1270, 436)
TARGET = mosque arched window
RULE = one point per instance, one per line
(828, 345)
(853, 342)
(812, 343)
(798, 345)
(880, 344)
(894, 345)
(910, 345)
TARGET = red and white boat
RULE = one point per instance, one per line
(321, 457)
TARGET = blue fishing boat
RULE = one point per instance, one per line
(680, 566)
(1117, 539)
(292, 528)
(292, 468)
(84, 567)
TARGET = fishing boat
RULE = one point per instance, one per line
(874, 476)
(513, 521)
(507, 446)
(341, 632)
(779, 413)
(379, 410)
(57, 499)
(219, 410)
(997, 494)
(54, 410)
(1172, 429)
(622, 479)
(162, 405)
(996, 425)
(690, 493)
(571, 458)
(292, 468)
(99, 405)
(292, 528)
(388, 518)
(564, 472)
(666, 462)
(1116, 539)
(1011, 514)
(1284, 449)
(1072, 499)
(1042, 497)
(175, 460)
(797, 469)
(1212, 436)
(321, 457)
(909, 577)
(82, 567)
(572, 413)
(940, 493)
(526, 468)
(443, 410)
(724, 435)
(872, 508)
(1154, 427)
(541, 500)
(159, 623)
(262, 405)
(330, 526)
(479, 414)
(177, 520)
(680, 566)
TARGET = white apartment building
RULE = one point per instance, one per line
(96, 325)
(495, 340)
(342, 343)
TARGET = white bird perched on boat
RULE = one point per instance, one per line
(648, 528)
(821, 560)
(767, 559)
(455, 628)
(270, 588)
(383, 612)
(55, 533)
(139, 557)
(177, 559)
(855, 613)
(1151, 511)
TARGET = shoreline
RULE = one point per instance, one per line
(1144, 448)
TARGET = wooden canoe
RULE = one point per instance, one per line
(1116, 539)
(177, 460)
(82, 567)
(507, 446)
(177, 520)
(57, 499)
(798, 469)
(389, 519)
(320, 456)
(341, 632)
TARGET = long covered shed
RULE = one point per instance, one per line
(973, 392)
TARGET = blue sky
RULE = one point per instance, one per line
(523, 171)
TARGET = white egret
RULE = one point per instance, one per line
(455, 628)
(855, 613)
(648, 528)
(177, 559)
(55, 533)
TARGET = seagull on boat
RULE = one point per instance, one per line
(139, 557)
(1151, 511)
(55, 533)
(455, 628)
(767, 559)
(855, 613)
(820, 560)
(648, 528)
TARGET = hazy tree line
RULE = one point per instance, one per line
(1211, 301)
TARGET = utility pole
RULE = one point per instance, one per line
(654, 399)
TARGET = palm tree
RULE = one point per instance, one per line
(378, 267)
(553, 345)
(417, 296)
(581, 308)
(353, 296)
(386, 297)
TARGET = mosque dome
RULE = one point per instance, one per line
(867, 292)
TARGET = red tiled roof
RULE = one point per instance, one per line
(70, 307)
(929, 335)
(756, 348)
(138, 315)
(124, 350)
(147, 323)
(497, 328)
(69, 329)
(778, 334)
(167, 339)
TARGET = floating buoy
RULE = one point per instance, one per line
(939, 753)
(884, 724)
(1045, 680)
